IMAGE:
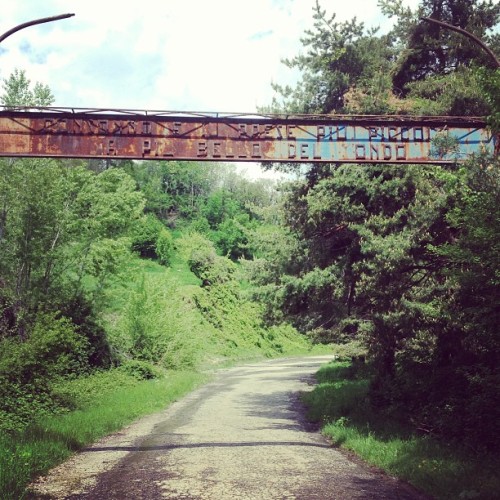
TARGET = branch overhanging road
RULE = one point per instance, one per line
(242, 436)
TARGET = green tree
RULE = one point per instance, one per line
(339, 55)
(395, 255)
(174, 189)
(429, 50)
(220, 206)
(56, 224)
(145, 235)
(19, 92)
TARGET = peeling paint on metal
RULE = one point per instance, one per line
(128, 134)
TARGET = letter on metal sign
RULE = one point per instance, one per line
(117, 134)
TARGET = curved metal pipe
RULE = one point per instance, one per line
(32, 23)
(474, 38)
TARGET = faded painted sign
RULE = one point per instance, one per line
(164, 135)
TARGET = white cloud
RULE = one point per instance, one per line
(218, 55)
(192, 55)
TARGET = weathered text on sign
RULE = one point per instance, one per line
(81, 134)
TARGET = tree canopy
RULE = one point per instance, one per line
(404, 258)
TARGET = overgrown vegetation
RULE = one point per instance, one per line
(404, 259)
(125, 270)
(339, 403)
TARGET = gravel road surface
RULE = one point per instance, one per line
(243, 436)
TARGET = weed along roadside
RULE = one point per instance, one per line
(242, 435)
(104, 403)
(340, 403)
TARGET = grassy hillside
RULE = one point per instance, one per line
(165, 315)
(164, 327)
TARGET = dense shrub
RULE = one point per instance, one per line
(29, 368)
(152, 240)
(145, 235)
(141, 370)
(164, 247)
(232, 237)
(211, 268)
(82, 314)
(156, 326)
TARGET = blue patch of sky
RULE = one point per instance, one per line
(260, 35)
(34, 56)
(25, 47)
(281, 4)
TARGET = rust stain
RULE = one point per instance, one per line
(123, 134)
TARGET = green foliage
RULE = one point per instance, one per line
(174, 189)
(490, 86)
(232, 236)
(211, 268)
(203, 261)
(200, 225)
(456, 94)
(28, 369)
(341, 403)
(18, 91)
(59, 225)
(153, 323)
(152, 240)
(61, 242)
(220, 206)
(145, 235)
(109, 204)
(436, 68)
(162, 316)
(141, 370)
(339, 55)
(82, 313)
(164, 247)
(403, 259)
(237, 321)
(428, 49)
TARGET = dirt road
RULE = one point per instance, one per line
(242, 436)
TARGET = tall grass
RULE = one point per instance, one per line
(155, 318)
(444, 471)
(105, 403)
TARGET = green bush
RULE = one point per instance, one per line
(145, 235)
(92, 389)
(232, 237)
(29, 368)
(211, 268)
(156, 325)
(200, 225)
(164, 247)
(141, 370)
(83, 316)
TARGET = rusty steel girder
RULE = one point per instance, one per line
(128, 134)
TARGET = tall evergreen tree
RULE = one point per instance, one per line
(385, 253)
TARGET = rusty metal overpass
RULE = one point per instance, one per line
(168, 135)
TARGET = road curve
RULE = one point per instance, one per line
(242, 436)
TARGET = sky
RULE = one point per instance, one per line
(176, 55)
